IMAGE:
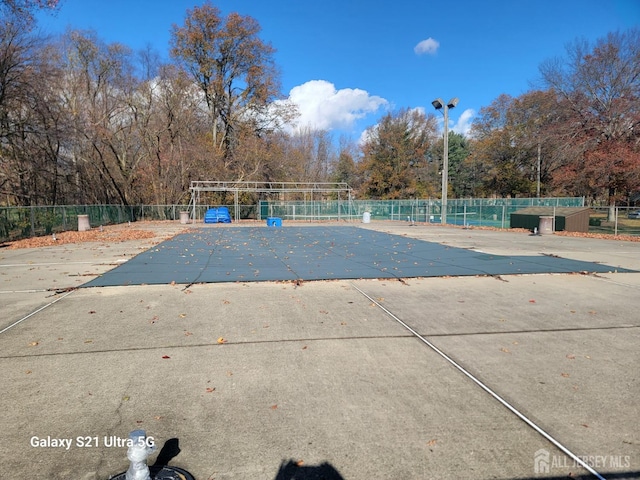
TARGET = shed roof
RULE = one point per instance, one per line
(559, 211)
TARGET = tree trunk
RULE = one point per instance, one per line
(612, 205)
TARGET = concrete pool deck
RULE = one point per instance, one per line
(283, 379)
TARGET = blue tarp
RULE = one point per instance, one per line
(217, 215)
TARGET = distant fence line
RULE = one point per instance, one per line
(495, 212)
(24, 222)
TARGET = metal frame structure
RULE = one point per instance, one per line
(318, 188)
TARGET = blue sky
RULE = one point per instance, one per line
(348, 62)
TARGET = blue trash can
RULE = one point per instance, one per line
(274, 222)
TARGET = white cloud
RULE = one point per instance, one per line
(366, 134)
(323, 107)
(463, 125)
(428, 46)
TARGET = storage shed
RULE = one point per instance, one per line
(569, 219)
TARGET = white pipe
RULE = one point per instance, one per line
(139, 450)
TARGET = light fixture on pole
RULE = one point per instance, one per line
(439, 104)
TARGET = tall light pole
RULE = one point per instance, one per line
(439, 104)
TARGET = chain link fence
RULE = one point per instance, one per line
(24, 222)
(467, 211)
(615, 221)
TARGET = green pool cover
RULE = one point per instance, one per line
(246, 254)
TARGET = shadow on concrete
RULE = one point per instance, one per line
(168, 452)
(161, 470)
(291, 470)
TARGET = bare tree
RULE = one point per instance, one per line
(599, 86)
(22, 11)
(515, 144)
(99, 81)
(172, 133)
(31, 119)
(233, 67)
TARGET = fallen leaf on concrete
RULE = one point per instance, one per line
(602, 236)
(34, 344)
(91, 312)
(222, 340)
(210, 390)
(505, 350)
(565, 375)
(28, 372)
(432, 442)
(273, 407)
(532, 301)
(166, 356)
(111, 234)
(88, 340)
(299, 463)
(571, 356)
